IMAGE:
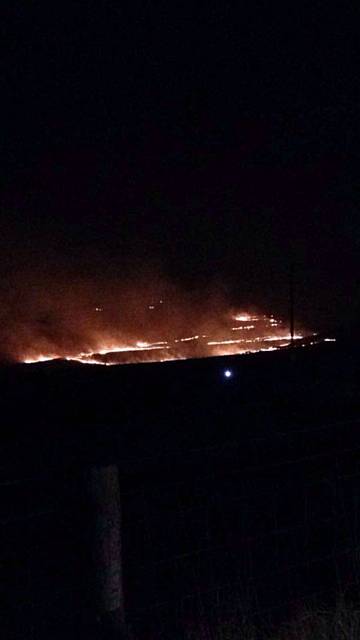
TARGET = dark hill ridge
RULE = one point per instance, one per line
(229, 486)
(57, 411)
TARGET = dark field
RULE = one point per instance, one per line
(236, 493)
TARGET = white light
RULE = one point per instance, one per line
(228, 373)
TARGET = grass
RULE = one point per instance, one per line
(340, 623)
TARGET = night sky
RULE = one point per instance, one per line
(212, 145)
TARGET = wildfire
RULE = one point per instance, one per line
(255, 332)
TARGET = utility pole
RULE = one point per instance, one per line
(291, 292)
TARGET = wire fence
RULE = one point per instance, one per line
(254, 524)
(271, 519)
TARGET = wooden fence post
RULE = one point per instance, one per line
(105, 493)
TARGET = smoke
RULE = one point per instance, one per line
(59, 314)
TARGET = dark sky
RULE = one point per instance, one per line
(213, 142)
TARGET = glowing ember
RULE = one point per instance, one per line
(247, 327)
(245, 317)
(40, 358)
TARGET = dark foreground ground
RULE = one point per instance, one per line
(240, 492)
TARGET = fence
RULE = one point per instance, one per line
(256, 523)
(271, 520)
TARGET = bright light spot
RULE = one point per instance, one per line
(330, 340)
(228, 373)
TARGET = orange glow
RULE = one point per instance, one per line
(245, 317)
(217, 340)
